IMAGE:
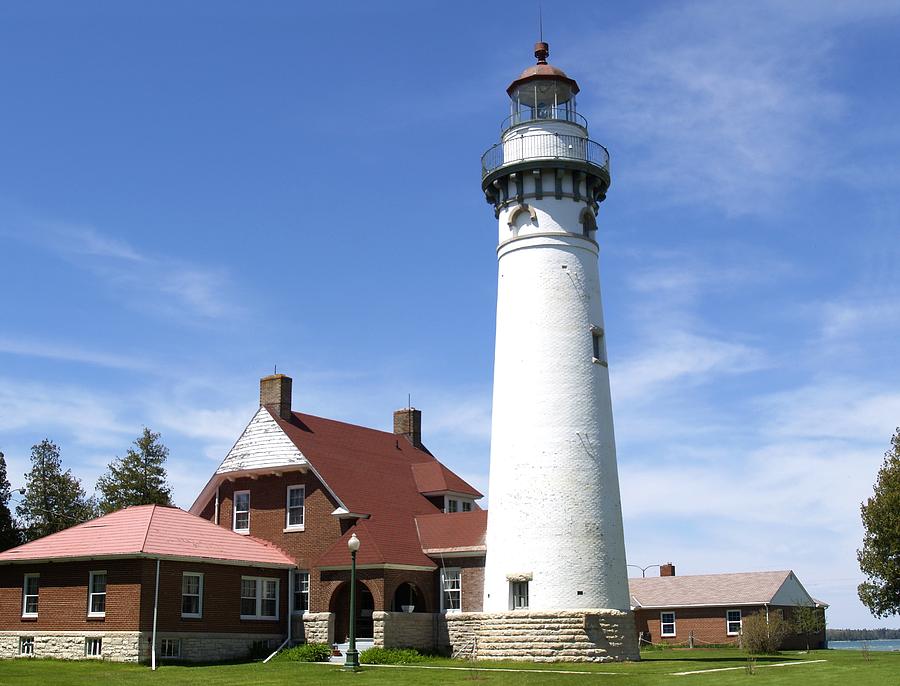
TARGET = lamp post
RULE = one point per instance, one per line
(351, 660)
(643, 569)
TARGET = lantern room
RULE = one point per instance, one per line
(542, 92)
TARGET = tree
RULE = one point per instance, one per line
(10, 536)
(879, 558)
(54, 499)
(139, 478)
(808, 620)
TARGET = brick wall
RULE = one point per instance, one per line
(708, 626)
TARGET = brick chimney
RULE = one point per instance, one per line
(275, 395)
(667, 569)
(408, 422)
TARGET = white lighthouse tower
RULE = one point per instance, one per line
(554, 536)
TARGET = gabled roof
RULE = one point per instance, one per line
(150, 531)
(704, 590)
(453, 533)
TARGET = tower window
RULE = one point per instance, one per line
(599, 345)
(518, 591)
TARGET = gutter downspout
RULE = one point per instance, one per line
(155, 607)
(217, 506)
(290, 616)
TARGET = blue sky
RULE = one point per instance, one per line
(193, 193)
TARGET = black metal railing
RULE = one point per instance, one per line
(543, 114)
(544, 146)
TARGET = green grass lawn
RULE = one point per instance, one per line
(844, 667)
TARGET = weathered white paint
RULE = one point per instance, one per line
(555, 511)
(262, 445)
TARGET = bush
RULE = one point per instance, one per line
(390, 656)
(308, 652)
(762, 636)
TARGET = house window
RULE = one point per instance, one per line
(97, 594)
(26, 645)
(467, 506)
(93, 647)
(666, 623)
(242, 511)
(30, 595)
(170, 647)
(301, 592)
(519, 595)
(191, 594)
(259, 598)
(452, 505)
(296, 498)
(599, 345)
(451, 583)
(733, 622)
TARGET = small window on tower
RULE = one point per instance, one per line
(519, 595)
(599, 345)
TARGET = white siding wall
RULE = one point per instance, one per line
(263, 444)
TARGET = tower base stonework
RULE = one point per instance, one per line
(552, 636)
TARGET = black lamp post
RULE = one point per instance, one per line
(351, 660)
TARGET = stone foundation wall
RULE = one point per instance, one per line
(318, 627)
(562, 636)
(134, 646)
(404, 630)
(118, 646)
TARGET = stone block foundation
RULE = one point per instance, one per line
(134, 646)
(553, 636)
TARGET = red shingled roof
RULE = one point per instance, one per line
(454, 532)
(433, 477)
(151, 531)
(372, 472)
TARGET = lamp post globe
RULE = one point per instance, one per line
(351, 660)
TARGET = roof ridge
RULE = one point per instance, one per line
(149, 524)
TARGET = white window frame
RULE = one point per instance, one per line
(165, 648)
(451, 574)
(663, 623)
(26, 595)
(729, 622)
(466, 505)
(198, 595)
(287, 509)
(93, 646)
(598, 345)
(234, 515)
(452, 505)
(260, 582)
(26, 646)
(299, 584)
(515, 594)
(92, 593)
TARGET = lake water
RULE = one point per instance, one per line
(859, 645)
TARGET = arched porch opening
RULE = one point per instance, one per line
(408, 598)
(340, 606)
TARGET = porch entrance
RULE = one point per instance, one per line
(340, 605)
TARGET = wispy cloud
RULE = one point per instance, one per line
(168, 286)
(726, 105)
(71, 353)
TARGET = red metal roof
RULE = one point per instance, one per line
(151, 531)
(453, 532)
(372, 472)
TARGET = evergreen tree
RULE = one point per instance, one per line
(139, 478)
(10, 536)
(879, 558)
(54, 499)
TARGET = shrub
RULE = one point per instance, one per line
(390, 656)
(307, 652)
(764, 636)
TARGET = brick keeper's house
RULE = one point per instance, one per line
(91, 590)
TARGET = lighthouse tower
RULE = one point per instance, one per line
(554, 536)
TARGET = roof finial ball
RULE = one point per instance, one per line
(542, 52)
